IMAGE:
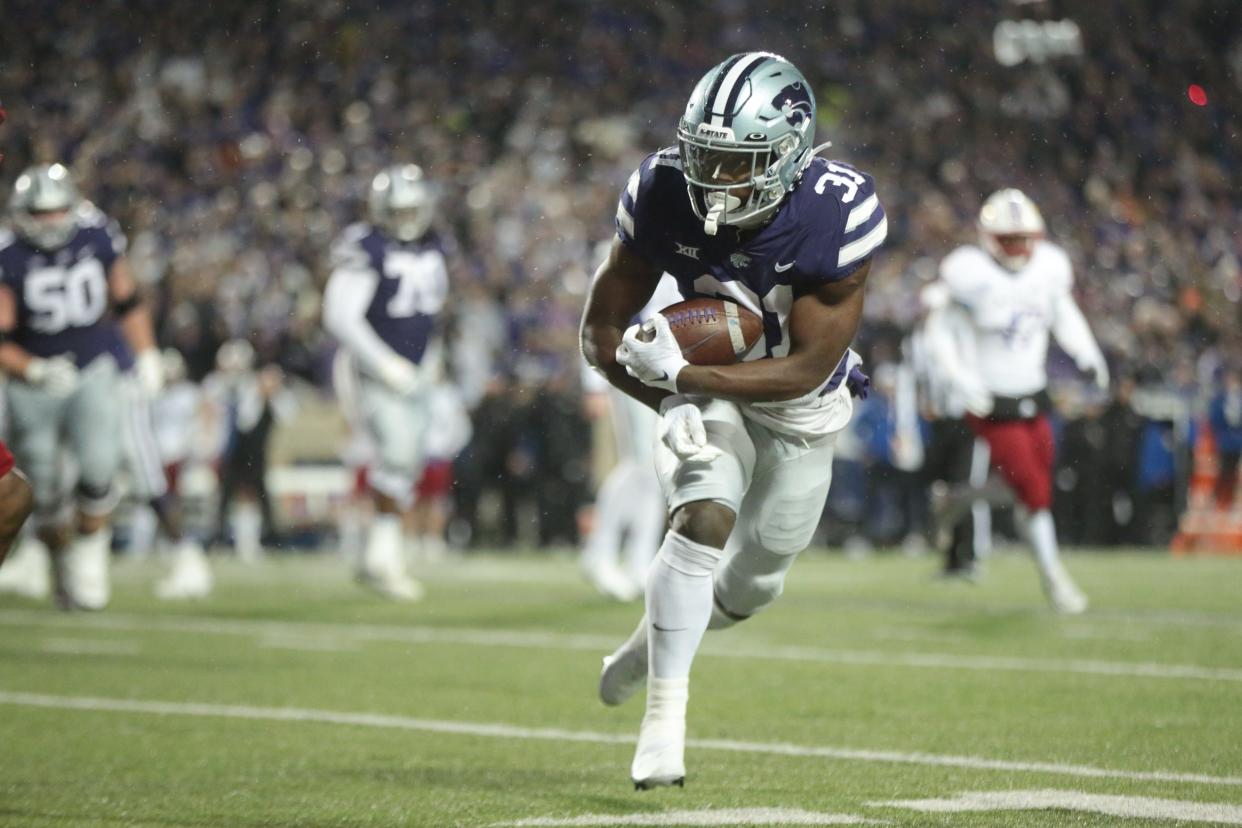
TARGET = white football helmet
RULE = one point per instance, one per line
(43, 206)
(402, 202)
(1009, 226)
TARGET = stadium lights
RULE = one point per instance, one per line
(1014, 41)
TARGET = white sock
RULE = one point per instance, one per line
(1043, 537)
(384, 553)
(247, 530)
(667, 698)
(679, 605)
(142, 529)
(89, 582)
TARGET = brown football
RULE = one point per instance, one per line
(712, 331)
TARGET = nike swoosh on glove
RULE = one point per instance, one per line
(682, 430)
(655, 363)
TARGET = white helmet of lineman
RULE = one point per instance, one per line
(402, 202)
(1009, 226)
(43, 206)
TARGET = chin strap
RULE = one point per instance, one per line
(817, 150)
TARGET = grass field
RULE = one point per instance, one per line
(290, 698)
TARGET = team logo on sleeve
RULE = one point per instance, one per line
(740, 260)
(687, 250)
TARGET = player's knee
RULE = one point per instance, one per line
(704, 521)
(741, 598)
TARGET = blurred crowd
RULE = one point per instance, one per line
(233, 140)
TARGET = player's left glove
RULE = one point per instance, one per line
(149, 368)
(657, 362)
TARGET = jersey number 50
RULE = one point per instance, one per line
(72, 297)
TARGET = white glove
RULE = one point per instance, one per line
(149, 369)
(655, 363)
(682, 430)
(974, 394)
(56, 375)
(1098, 369)
(400, 375)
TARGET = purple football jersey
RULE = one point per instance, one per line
(62, 295)
(826, 228)
(413, 284)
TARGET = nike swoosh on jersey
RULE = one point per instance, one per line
(781, 268)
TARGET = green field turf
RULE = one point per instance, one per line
(291, 698)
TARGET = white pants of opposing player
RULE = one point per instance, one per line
(629, 510)
(775, 483)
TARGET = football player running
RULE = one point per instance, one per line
(1006, 295)
(388, 285)
(64, 278)
(742, 209)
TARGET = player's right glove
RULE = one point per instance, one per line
(56, 375)
(400, 375)
(682, 430)
(974, 394)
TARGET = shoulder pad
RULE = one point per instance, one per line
(644, 193)
(7, 238)
(963, 270)
(844, 221)
(349, 251)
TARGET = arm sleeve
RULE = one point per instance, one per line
(941, 334)
(1073, 334)
(345, 303)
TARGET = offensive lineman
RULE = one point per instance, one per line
(388, 285)
(1005, 296)
(62, 267)
(741, 209)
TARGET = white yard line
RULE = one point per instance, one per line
(708, 817)
(603, 644)
(1141, 807)
(89, 646)
(508, 731)
(310, 644)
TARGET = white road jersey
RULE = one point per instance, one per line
(1011, 314)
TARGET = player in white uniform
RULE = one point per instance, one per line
(1005, 297)
(382, 302)
(741, 209)
(629, 509)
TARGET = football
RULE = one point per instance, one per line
(711, 331)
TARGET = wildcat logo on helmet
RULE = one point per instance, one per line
(795, 103)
